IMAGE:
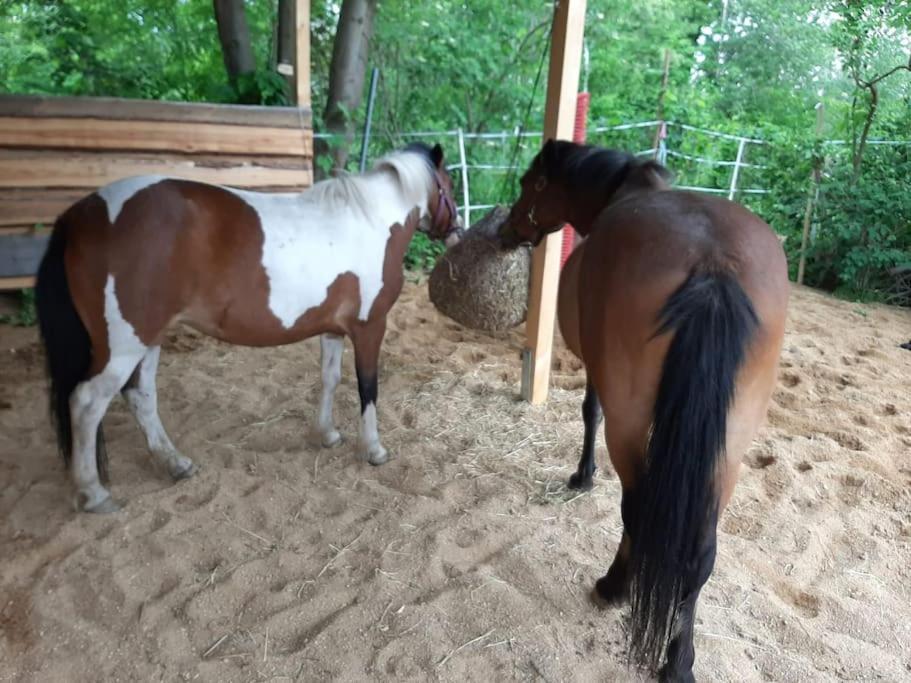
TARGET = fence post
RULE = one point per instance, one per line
(661, 133)
(735, 175)
(365, 142)
(661, 147)
(815, 175)
(466, 197)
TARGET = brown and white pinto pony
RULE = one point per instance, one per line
(676, 303)
(128, 261)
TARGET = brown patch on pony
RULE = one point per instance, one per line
(394, 263)
(368, 336)
(86, 264)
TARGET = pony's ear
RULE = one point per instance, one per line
(546, 160)
(549, 152)
(436, 156)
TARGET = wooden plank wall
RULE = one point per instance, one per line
(54, 150)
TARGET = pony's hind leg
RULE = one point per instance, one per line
(591, 416)
(331, 348)
(681, 653)
(612, 589)
(88, 404)
(142, 397)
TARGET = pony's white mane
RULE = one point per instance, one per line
(410, 170)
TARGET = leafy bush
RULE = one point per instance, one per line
(864, 228)
(423, 253)
(859, 230)
(27, 315)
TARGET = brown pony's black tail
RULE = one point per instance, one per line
(67, 345)
(675, 502)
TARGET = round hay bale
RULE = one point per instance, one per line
(478, 284)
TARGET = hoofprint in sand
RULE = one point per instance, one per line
(463, 558)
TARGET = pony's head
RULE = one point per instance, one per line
(539, 210)
(442, 221)
(571, 182)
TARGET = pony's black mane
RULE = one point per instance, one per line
(591, 169)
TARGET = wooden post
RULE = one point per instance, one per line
(811, 197)
(559, 117)
(660, 109)
(302, 53)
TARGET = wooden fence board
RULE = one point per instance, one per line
(32, 106)
(20, 209)
(91, 171)
(55, 150)
(162, 136)
(11, 283)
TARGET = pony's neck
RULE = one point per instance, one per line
(582, 208)
(585, 203)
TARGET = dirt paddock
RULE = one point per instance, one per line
(463, 558)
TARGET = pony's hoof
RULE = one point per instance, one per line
(580, 482)
(606, 594)
(184, 470)
(377, 456)
(331, 439)
(105, 507)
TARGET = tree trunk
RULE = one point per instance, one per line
(861, 146)
(287, 40)
(234, 34)
(346, 82)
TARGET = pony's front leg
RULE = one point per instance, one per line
(331, 349)
(366, 358)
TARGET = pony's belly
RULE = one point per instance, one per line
(251, 322)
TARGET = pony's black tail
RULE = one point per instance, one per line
(675, 502)
(67, 345)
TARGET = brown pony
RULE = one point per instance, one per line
(676, 303)
(127, 261)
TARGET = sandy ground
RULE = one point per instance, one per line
(464, 558)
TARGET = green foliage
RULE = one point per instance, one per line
(423, 253)
(27, 315)
(263, 86)
(865, 228)
(149, 49)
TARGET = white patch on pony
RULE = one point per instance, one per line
(337, 226)
(119, 193)
(122, 338)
